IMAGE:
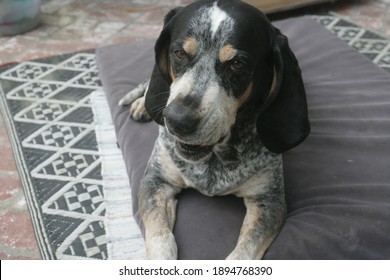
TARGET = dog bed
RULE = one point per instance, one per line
(337, 182)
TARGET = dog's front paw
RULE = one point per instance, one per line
(134, 94)
(242, 252)
(162, 247)
(238, 255)
(138, 111)
(136, 98)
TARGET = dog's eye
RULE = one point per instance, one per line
(237, 65)
(180, 54)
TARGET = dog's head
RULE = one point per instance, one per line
(220, 59)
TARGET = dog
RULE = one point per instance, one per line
(228, 93)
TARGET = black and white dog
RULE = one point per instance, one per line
(229, 96)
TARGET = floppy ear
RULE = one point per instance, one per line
(284, 123)
(158, 91)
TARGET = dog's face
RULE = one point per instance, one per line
(217, 57)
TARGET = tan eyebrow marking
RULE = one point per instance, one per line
(227, 53)
(190, 46)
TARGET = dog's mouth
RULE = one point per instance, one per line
(193, 152)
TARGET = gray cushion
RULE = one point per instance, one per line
(337, 182)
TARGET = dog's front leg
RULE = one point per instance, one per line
(263, 220)
(158, 212)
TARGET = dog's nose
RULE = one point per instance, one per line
(180, 119)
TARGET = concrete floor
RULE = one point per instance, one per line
(73, 25)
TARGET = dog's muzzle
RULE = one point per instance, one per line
(183, 122)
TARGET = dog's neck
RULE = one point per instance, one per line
(240, 151)
(243, 136)
(242, 140)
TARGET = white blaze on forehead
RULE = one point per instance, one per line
(217, 16)
(212, 19)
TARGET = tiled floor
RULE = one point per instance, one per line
(72, 25)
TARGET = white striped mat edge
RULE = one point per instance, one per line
(124, 238)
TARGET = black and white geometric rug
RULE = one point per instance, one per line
(369, 43)
(47, 109)
(50, 120)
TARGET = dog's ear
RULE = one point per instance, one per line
(283, 122)
(158, 91)
(161, 47)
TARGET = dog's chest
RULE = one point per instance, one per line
(253, 165)
(215, 179)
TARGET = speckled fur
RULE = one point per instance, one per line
(241, 166)
(239, 163)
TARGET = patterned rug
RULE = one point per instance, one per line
(372, 45)
(47, 110)
(53, 128)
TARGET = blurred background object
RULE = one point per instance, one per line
(271, 6)
(18, 16)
